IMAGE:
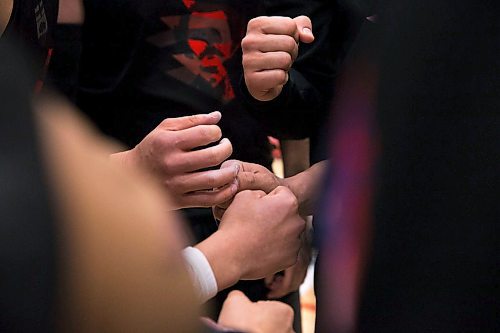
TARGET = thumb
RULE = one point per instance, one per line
(232, 163)
(304, 26)
(237, 297)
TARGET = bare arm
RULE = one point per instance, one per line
(5, 12)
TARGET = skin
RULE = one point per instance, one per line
(170, 153)
(295, 154)
(259, 235)
(70, 12)
(256, 177)
(304, 187)
(120, 264)
(5, 12)
(280, 285)
(270, 47)
(238, 313)
(252, 241)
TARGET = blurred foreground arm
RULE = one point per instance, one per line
(120, 264)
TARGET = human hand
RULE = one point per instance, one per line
(239, 313)
(270, 47)
(259, 235)
(170, 153)
(250, 177)
(281, 285)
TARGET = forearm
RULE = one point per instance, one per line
(305, 186)
(220, 252)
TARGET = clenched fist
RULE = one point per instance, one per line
(270, 47)
(238, 312)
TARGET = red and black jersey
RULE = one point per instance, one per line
(32, 23)
(144, 61)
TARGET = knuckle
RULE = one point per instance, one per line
(287, 311)
(210, 132)
(280, 76)
(213, 157)
(290, 44)
(224, 196)
(167, 164)
(243, 195)
(284, 60)
(249, 43)
(255, 23)
(290, 25)
(211, 180)
(193, 120)
(179, 141)
(167, 124)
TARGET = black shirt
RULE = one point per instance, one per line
(145, 61)
(31, 24)
(27, 240)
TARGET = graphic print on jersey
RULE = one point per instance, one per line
(200, 42)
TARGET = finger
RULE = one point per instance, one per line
(208, 198)
(271, 43)
(218, 212)
(204, 180)
(266, 80)
(269, 280)
(275, 25)
(225, 205)
(281, 190)
(197, 136)
(177, 124)
(257, 181)
(237, 296)
(279, 288)
(204, 158)
(230, 163)
(248, 195)
(268, 61)
(304, 27)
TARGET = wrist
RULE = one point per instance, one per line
(124, 158)
(299, 188)
(223, 258)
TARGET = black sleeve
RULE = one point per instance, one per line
(27, 240)
(302, 109)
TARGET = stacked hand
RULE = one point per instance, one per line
(303, 187)
(259, 235)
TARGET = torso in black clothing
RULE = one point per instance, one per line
(32, 23)
(27, 230)
(144, 62)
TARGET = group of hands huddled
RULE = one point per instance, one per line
(262, 218)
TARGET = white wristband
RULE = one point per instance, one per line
(201, 273)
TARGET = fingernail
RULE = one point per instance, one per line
(215, 114)
(307, 31)
(236, 169)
